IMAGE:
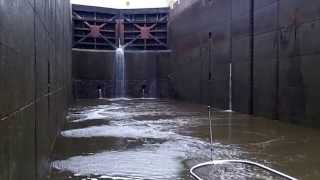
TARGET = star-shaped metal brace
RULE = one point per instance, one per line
(95, 31)
(145, 32)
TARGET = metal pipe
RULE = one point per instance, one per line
(216, 162)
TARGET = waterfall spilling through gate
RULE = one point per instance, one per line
(120, 73)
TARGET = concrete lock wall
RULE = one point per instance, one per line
(35, 83)
(95, 69)
(273, 46)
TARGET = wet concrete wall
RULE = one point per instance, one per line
(273, 47)
(35, 83)
(95, 69)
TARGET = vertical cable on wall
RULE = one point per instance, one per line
(231, 57)
(210, 68)
(210, 57)
(251, 103)
(35, 92)
(277, 81)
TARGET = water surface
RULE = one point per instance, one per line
(162, 139)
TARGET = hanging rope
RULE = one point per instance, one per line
(228, 162)
(211, 133)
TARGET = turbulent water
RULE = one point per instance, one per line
(157, 139)
(120, 75)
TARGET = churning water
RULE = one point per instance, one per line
(158, 139)
(120, 73)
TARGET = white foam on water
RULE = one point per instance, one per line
(114, 177)
(149, 161)
(119, 99)
(96, 113)
(117, 131)
(143, 164)
(228, 110)
(157, 161)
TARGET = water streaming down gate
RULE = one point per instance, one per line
(120, 75)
